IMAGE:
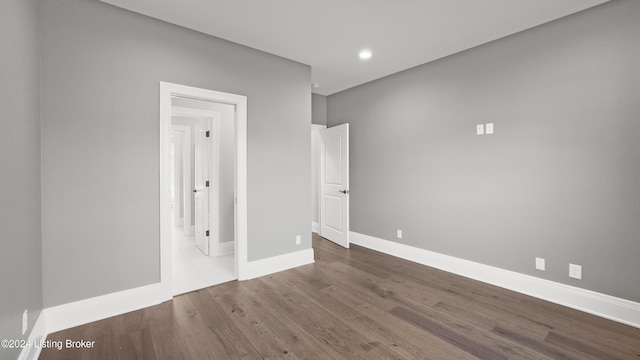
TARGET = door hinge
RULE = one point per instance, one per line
(208, 133)
(206, 183)
(207, 233)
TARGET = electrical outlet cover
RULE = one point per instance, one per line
(25, 321)
(575, 271)
(540, 264)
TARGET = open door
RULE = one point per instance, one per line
(334, 184)
(201, 183)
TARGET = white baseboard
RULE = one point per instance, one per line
(37, 335)
(81, 312)
(606, 306)
(278, 263)
(315, 227)
(226, 248)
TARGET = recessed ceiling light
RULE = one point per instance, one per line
(315, 85)
(365, 54)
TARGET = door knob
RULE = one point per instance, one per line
(344, 191)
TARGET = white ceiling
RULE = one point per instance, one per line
(328, 34)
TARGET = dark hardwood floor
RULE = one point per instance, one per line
(353, 304)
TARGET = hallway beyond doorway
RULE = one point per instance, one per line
(193, 270)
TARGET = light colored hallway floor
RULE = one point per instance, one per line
(192, 270)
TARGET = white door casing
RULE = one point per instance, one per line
(334, 184)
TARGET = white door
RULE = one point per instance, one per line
(201, 198)
(334, 184)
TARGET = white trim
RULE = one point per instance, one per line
(278, 263)
(315, 227)
(167, 90)
(82, 312)
(225, 248)
(606, 306)
(37, 335)
(188, 112)
(101, 307)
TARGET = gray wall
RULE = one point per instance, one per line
(318, 109)
(100, 96)
(20, 246)
(560, 177)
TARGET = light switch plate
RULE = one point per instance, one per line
(489, 128)
(480, 129)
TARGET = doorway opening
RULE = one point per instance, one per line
(203, 195)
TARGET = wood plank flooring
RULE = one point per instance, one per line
(353, 304)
